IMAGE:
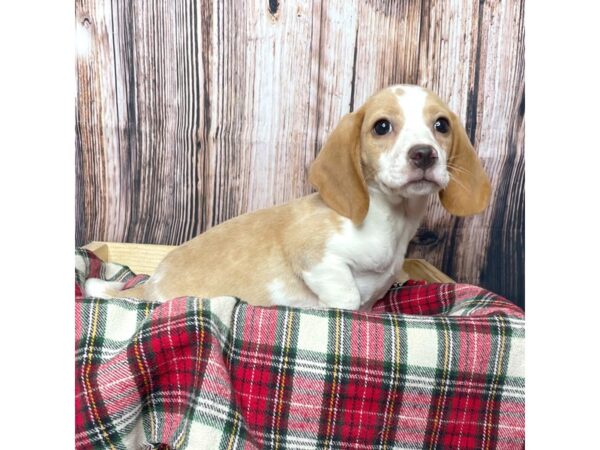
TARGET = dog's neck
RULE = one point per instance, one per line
(406, 208)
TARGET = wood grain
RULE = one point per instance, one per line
(140, 258)
(191, 112)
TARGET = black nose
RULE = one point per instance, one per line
(422, 156)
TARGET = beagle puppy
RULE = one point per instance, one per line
(343, 246)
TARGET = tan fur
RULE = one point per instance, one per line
(337, 171)
(242, 256)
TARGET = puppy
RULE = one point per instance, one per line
(344, 246)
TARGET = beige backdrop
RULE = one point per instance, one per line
(192, 112)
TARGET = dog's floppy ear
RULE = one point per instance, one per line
(337, 173)
(468, 191)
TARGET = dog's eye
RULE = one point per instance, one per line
(441, 125)
(382, 126)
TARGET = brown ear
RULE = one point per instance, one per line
(337, 173)
(468, 191)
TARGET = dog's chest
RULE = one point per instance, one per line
(375, 251)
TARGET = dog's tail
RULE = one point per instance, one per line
(95, 287)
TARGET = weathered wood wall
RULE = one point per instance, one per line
(190, 112)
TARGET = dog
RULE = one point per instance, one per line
(343, 246)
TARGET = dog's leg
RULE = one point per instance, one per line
(333, 283)
(112, 289)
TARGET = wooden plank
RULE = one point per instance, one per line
(156, 78)
(278, 60)
(332, 76)
(258, 141)
(419, 269)
(502, 84)
(144, 258)
(93, 61)
(387, 46)
(140, 258)
(100, 249)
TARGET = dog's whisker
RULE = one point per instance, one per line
(459, 169)
(452, 177)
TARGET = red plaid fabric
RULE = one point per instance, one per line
(432, 366)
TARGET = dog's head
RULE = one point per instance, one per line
(405, 142)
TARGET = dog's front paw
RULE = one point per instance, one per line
(349, 302)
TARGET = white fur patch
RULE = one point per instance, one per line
(95, 287)
(280, 295)
(333, 282)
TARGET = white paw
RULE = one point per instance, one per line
(350, 302)
(95, 287)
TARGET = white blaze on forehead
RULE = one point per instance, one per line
(414, 130)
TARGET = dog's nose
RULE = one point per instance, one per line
(422, 156)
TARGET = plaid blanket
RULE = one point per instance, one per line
(432, 366)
